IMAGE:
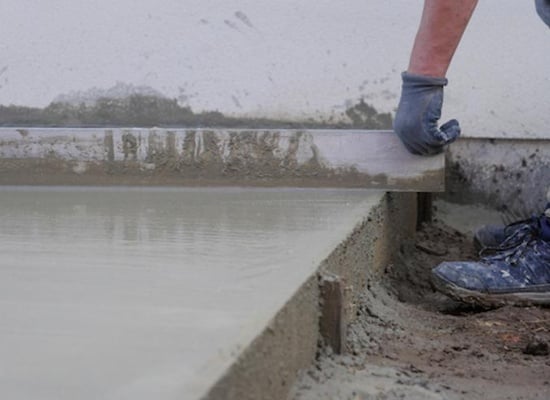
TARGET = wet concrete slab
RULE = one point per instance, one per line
(119, 293)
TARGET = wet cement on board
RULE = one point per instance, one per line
(54, 171)
(410, 342)
(202, 158)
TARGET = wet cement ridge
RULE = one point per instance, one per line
(261, 157)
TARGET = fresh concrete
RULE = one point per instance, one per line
(127, 293)
(275, 157)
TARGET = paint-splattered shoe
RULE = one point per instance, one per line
(492, 236)
(516, 272)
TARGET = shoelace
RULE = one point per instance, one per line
(515, 245)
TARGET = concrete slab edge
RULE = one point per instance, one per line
(268, 367)
(260, 157)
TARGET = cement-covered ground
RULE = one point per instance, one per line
(410, 342)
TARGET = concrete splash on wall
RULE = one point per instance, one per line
(512, 175)
(145, 108)
(273, 60)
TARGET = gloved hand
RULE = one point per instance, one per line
(543, 9)
(419, 111)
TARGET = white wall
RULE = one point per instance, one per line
(275, 58)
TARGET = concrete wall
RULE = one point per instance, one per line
(284, 60)
(511, 175)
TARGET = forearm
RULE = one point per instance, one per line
(436, 41)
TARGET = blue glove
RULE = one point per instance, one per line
(543, 9)
(419, 111)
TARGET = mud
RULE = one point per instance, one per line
(414, 343)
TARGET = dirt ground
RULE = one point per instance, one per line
(410, 342)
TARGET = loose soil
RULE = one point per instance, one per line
(410, 342)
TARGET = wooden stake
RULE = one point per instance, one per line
(332, 323)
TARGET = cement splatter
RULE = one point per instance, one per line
(125, 105)
(244, 19)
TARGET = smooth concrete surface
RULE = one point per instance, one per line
(121, 293)
(285, 59)
(275, 157)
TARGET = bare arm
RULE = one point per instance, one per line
(441, 28)
(417, 117)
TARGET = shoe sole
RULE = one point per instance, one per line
(490, 300)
